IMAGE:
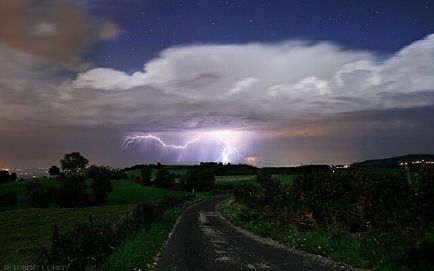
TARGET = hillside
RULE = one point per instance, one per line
(395, 161)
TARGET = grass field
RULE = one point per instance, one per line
(24, 230)
(284, 179)
(19, 187)
(181, 170)
(126, 192)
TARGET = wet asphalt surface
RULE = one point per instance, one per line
(203, 240)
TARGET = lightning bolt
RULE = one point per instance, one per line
(228, 151)
(138, 138)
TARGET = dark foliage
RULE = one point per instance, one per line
(72, 192)
(198, 178)
(54, 171)
(220, 169)
(8, 200)
(101, 185)
(39, 196)
(88, 245)
(397, 212)
(304, 169)
(350, 200)
(74, 164)
(145, 179)
(6, 177)
(164, 179)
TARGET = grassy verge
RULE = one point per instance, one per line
(140, 252)
(339, 246)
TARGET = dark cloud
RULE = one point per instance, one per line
(57, 31)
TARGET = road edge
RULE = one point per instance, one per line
(323, 261)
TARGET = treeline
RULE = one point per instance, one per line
(197, 178)
(6, 177)
(303, 169)
(218, 169)
(72, 190)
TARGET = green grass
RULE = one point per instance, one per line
(285, 179)
(366, 252)
(19, 187)
(235, 179)
(24, 231)
(181, 170)
(140, 252)
(125, 192)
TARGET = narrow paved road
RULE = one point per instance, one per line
(203, 240)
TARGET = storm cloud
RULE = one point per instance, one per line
(292, 90)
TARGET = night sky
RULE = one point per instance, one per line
(263, 82)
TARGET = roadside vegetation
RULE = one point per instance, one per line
(84, 215)
(372, 220)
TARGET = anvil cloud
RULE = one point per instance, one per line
(283, 88)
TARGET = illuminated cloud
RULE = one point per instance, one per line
(250, 86)
(260, 83)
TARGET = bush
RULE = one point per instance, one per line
(38, 196)
(101, 185)
(246, 194)
(198, 179)
(164, 179)
(145, 179)
(72, 192)
(88, 245)
(8, 200)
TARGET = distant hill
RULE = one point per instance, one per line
(395, 161)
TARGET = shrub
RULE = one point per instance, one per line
(198, 179)
(145, 179)
(38, 196)
(88, 245)
(8, 200)
(246, 194)
(164, 179)
(72, 192)
(101, 185)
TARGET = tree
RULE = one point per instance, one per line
(146, 176)
(54, 171)
(4, 176)
(102, 176)
(164, 178)
(72, 192)
(13, 177)
(74, 164)
(199, 179)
